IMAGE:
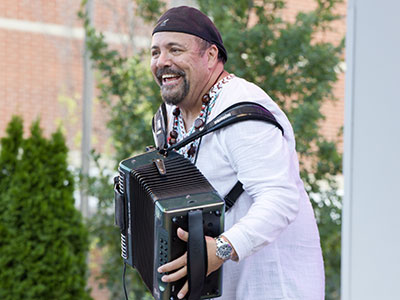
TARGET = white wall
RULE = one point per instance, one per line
(371, 212)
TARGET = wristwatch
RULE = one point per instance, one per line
(224, 249)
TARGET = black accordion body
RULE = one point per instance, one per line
(156, 194)
(160, 191)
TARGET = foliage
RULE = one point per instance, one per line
(43, 242)
(9, 153)
(284, 58)
(126, 88)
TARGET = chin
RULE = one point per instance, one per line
(173, 98)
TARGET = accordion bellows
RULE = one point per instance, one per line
(154, 195)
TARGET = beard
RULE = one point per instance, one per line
(175, 94)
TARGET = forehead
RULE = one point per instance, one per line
(166, 38)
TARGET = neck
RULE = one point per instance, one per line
(191, 111)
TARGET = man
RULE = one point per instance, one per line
(271, 230)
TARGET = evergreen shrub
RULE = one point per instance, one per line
(43, 241)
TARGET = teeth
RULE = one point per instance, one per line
(168, 76)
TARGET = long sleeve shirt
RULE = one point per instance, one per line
(272, 225)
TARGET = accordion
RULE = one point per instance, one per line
(159, 191)
(154, 196)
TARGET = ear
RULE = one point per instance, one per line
(212, 55)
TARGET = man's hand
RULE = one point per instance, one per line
(180, 264)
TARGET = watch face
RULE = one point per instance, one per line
(224, 249)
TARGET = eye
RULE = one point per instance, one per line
(176, 50)
(155, 53)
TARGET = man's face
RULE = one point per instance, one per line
(177, 66)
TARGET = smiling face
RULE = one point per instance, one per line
(178, 67)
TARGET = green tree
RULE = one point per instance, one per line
(9, 152)
(43, 242)
(284, 58)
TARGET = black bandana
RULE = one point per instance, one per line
(191, 21)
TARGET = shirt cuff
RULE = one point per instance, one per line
(239, 241)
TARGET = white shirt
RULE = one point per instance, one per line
(272, 225)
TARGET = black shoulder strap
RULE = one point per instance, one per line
(233, 195)
(159, 125)
(238, 112)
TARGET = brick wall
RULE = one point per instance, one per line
(41, 66)
(41, 46)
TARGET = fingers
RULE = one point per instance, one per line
(183, 235)
(175, 276)
(182, 293)
(178, 264)
(173, 265)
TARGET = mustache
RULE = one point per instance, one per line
(168, 70)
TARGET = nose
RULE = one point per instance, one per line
(163, 60)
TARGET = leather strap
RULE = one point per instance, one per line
(197, 260)
(233, 195)
(236, 113)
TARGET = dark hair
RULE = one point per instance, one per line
(204, 45)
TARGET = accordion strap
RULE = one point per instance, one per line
(197, 267)
(238, 112)
(233, 195)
